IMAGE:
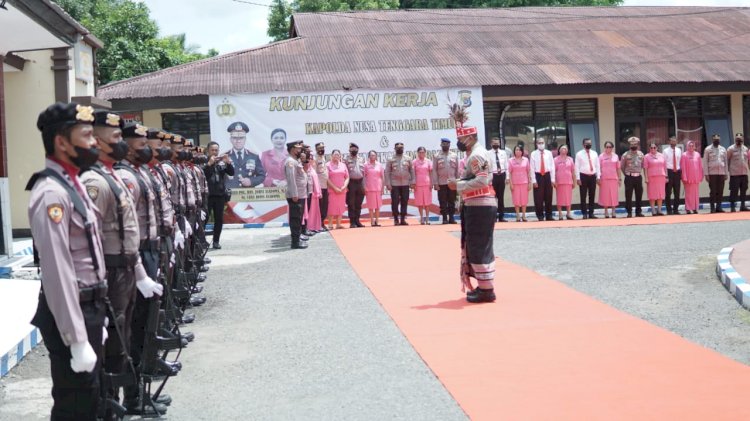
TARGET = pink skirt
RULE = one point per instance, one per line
(564, 194)
(692, 196)
(656, 187)
(609, 190)
(422, 195)
(520, 194)
(336, 203)
(373, 199)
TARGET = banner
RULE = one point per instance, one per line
(373, 119)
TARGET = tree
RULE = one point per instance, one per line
(278, 18)
(132, 45)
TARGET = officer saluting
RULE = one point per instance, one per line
(64, 225)
(249, 171)
(296, 192)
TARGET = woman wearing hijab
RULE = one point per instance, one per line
(422, 184)
(656, 178)
(692, 175)
(338, 180)
(520, 182)
(373, 187)
(565, 179)
(609, 179)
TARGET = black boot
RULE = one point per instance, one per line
(451, 220)
(445, 219)
(481, 296)
(299, 244)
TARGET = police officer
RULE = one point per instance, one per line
(296, 192)
(500, 157)
(737, 160)
(399, 175)
(632, 167)
(217, 169)
(248, 167)
(444, 168)
(355, 195)
(715, 171)
(71, 310)
(321, 168)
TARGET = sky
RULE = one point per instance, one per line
(230, 25)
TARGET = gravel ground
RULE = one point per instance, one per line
(286, 335)
(664, 274)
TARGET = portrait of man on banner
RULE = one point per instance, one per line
(249, 171)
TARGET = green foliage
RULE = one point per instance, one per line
(278, 20)
(132, 45)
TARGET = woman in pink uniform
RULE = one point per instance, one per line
(373, 187)
(273, 160)
(422, 184)
(338, 180)
(609, 179)
(313, 220)
(692, 175)
(565, 179)
(656, 178)
(520, 182)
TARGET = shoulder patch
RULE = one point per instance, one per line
(290, 164)
(129, 184)
(93, 192)
(55, 212)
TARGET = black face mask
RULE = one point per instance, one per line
(321, 152)
(86, 157)
(164, 154)
(143, 156)
(354, 152)
(738, 142)
(495, 147)
(461, 146)
(633, 148)
(184, 156)
(399, 151)
(445, 148)
(119, 150)
(587, 146)
(716, 142)
(200, 160)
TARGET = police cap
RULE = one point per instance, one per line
(62, 114)
(445, 140)
(155, 134)
(134, 130)
(108, 119)
(238, 126)
(353, 145)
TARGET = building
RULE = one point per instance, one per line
(561, 73)
(53, 59)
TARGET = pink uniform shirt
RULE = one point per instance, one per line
(519, 171)
(274, 166)
(692, 167)
(655, 165)
(422, 172)
(564, 170)
(374, 176)
(609, 164)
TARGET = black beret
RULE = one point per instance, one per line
(155, 134)
(238, 126)
(107, 119)
(134, 130)
(177, 140)
(353, 145)
(60, 114)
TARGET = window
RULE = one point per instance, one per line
(191, 125)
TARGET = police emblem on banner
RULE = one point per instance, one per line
(464, 97)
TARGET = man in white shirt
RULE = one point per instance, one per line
(587, 172)
(500, 158)
(543, 167)
(672, 156)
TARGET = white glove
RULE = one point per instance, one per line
(203, 215)
(84, 358)
(105, 334)
(148, 287)
(179, 239)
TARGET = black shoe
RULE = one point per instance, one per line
(303, 237)
(299, 245)
(217, 246)
(630, 215)
(196, 289)
(188, 318)
(549, 217)
(197, 301)
(148, 411)
(403, 222)
(308, 233)
(720, 210)
(189, 336)
(451, 220)
(359, 225)
(744, 209)
(585, 216)
(640, 215)
(733, 209)
(396, 222)
(201, 277)
(164, 399)
(445, 219)
(481, 296)
(593, 217)
(323, 229)
(502, 220)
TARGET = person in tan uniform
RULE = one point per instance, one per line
(65, 227)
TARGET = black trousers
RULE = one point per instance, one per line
(588, 194)
(323, 206)
(216, 207)
(543, 196)
(446, 198)
(674, 183)
(76, 396)
(633, 185)
(399, 196)
(498, 183)
(737, 184)
(296, 210)
(354, 198)
(716, 190)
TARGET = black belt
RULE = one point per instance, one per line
(120, 260)
(93, 293)
(149, 245)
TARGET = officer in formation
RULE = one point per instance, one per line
(632, 168)
(737, 162)
(444, 168)
(399, 175)
(296, 192)
(715, 171)
(355, 194)
(116, 219)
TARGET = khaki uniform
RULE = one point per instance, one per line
(144, 199)
(296, 186)
(399, 171)
(445, 167)
(715, 168)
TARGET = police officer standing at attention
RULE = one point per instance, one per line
(632, 167)
(399, 175)
(321, 167)
(355, 195)
(737, 162)
(444, 168)
(715, 170)
(249, 170)
(296, 192)
(71, 310)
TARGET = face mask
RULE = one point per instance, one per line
(738, 142)
(354, 152)
(633, 148)
(540, 146)
(587, 146)
(321, 152)
(495, 147)
(164, 154)
(143, 156)
(119, 150)
(716, 142)
(86, 157)
(399, 151)
(445, 148)
(461, 146)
